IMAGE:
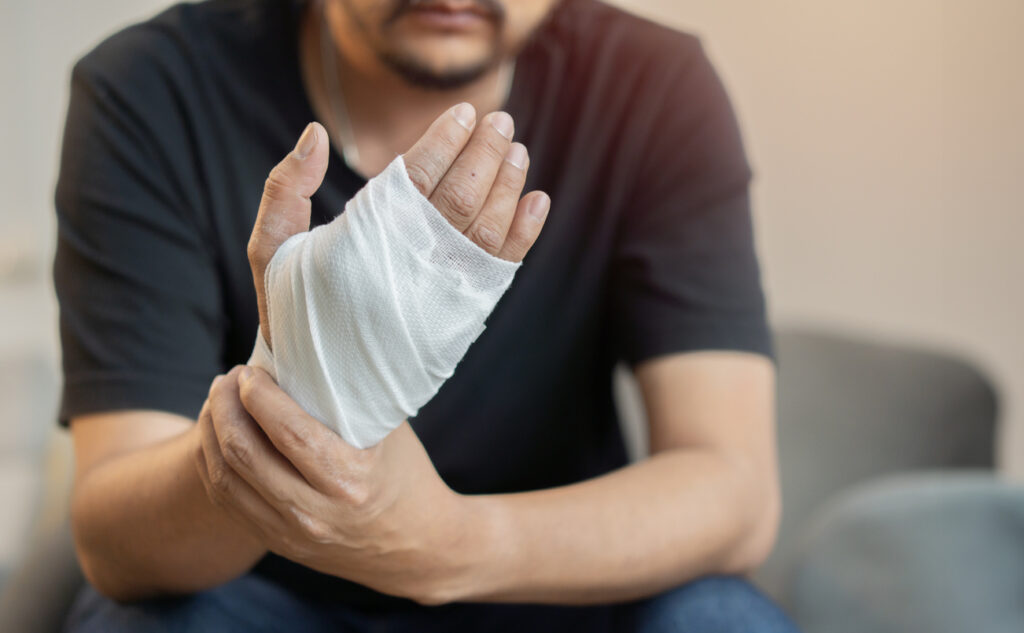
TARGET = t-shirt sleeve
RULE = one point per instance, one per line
(685, 273)
(140, 303)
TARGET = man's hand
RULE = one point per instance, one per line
(380, 516)
(472, 173)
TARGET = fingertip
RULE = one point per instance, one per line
(250, 382)
(308, 160)
(518, 155)
(503, 123)
(526, 225)
(321, 131)
(538, 206)
(307, 141)
(246, 380)
(464, 114)
(244, 375)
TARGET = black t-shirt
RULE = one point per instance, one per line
(174, 124)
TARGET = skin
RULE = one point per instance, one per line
(163, 504)
(387, 112)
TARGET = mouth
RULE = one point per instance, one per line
(448, 15)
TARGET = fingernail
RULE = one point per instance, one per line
(503, 123)
(245, 375)
(517, 155)
(306, 142)
(465, 115)
(539, 207)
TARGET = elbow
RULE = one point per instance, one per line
(94, 565)
(760, 538)
(100, 580)
(106, 580)
(98, 564)
(98, 574)
(759, 527)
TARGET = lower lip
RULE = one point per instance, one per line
(446, 20)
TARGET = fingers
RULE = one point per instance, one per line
(247, 451)
(429, 159)
(227, 489)
(312, 448)
(490, 227)
(461, 194)
(526, 225)
(285, 206)
(473, 175)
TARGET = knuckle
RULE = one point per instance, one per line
(486, 235)
(220, 478)
(517, 244)
(237, 452)
(335, 480)
(357, 494)
(278, 183)
(450, 144)
(511, 180)
(460, 198)
(314, 529)
(253, 250)
(419, 175)
(297, 437)
(258, 252)
(494, 146)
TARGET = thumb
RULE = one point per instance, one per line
(285, 207)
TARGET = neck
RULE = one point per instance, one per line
(386, 114)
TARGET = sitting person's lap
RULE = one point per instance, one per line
(254, 604)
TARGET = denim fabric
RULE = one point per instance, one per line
(254, 604)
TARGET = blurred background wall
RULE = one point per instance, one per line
(886, 138)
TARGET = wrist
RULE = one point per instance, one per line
(480, 558)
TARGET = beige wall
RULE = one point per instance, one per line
(886, 138)
(888, 143)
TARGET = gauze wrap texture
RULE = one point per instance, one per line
(370, 314)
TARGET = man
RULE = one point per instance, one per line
(505, 503)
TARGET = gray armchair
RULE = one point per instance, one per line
(850, 410)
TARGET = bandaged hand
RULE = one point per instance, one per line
(363, 319)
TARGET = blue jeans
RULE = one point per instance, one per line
(253, 604)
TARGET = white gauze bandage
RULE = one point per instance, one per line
(370, 314)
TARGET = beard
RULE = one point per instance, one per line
(414, 71)
(417, 71)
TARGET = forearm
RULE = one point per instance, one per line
(629, 534)
(144, 525)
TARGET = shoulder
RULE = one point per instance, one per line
(633, 70)
(652, 90)
(179, 44)
(599, 35)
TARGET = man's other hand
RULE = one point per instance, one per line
(380, 516)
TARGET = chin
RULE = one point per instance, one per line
(444, 64)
